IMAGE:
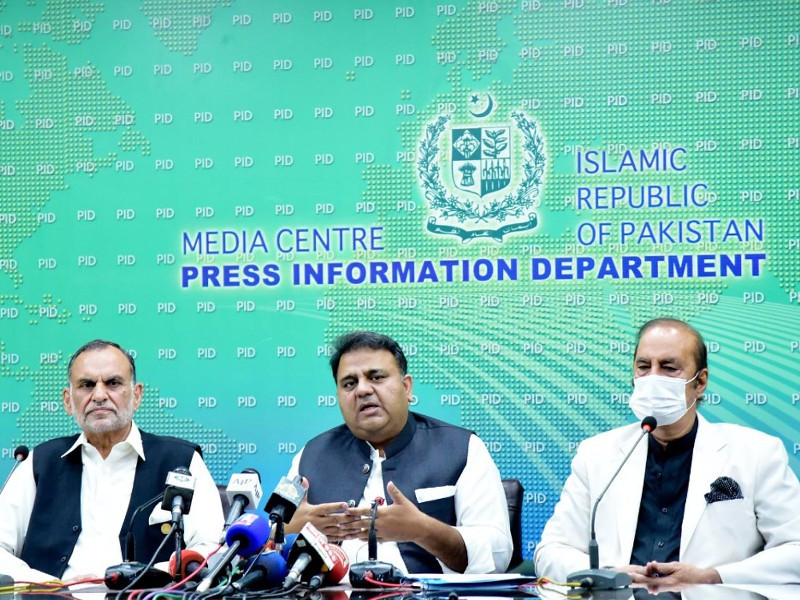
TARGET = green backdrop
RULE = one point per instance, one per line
(509, 188)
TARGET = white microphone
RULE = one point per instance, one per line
(178, 493)
(309, 556)
(243, 491)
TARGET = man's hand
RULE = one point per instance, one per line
(331, 518)
(631, 570)
(673, 576)
(402, 521)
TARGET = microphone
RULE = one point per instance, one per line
(178, 493)
(336, 573)
(373, 568)
(243, 491)
(190, 562)
(267, 570)
(20, 454)
(308, 556)
(120, 576)
(130, 544)
(245, 537)
(594, 577)
(287, 545)
(285, 499)
(372, 537)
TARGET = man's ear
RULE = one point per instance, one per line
(408, 384)
(138, 390)
(67, 398)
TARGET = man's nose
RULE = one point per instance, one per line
(364, 387)
(99, 392)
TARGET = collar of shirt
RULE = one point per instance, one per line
(134, 441)
(679, 446)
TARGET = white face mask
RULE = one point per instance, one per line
(661, 397)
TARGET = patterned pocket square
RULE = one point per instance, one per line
(724, 488)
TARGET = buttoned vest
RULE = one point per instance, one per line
(55, 522)
(427, 453)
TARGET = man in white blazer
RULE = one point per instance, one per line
(698, 503)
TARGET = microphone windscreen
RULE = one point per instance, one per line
(274, 565)
(341, 564)
(289, 541)
(21, 453)
(649, 424)
(190, 560)
(251, 530)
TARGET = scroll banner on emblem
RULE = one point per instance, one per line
(470, 234)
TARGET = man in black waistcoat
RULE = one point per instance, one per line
(67, 509)
(446, 509)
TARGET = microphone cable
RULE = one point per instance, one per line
(130, 543)
(149, 564)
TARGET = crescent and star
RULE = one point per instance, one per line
(487, 111)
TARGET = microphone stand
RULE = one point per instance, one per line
(179, 544)
(373, 569)
(280, 537)
(130, 542)
(177, 526)
(20, 454)
(594, 577)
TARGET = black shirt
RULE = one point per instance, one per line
(666, 481)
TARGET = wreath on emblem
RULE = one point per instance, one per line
(512, 205)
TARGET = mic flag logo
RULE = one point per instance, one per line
(476, 199)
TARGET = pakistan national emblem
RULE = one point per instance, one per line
(486, 196)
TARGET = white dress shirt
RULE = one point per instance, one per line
(480, 506)
(106, 487)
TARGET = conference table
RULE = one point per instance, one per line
(526, 590)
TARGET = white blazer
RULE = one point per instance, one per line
(755, 539)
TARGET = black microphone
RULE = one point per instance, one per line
(130, 543)
(178, 493)
(372, 537)
(285, 499)
(120, 576)
(363, 574)
(243, 491)
(594, 577)
(20, 454)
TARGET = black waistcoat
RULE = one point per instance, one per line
(55, 522)
(427, 453)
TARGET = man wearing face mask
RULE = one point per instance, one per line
(699, 502)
